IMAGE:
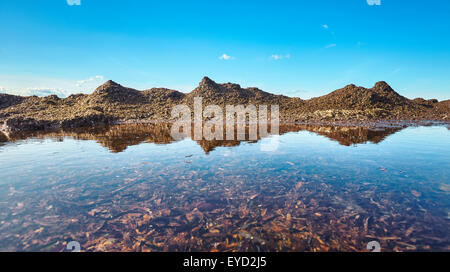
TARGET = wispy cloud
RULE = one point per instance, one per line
(74, 2)
(296, 93)
(81, 83)
(331, 45)
(360, 44)
(280, 57)
(26, 86)
(35, 91)
(328, 29)
(226, 57)
(396, 71)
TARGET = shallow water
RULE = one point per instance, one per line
(133, 188)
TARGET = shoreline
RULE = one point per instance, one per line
(42, 125)
(48, 126)
(112, 104)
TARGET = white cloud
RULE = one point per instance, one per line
(331, 45)
(81, 83)
(328, 29)
(297, 93)
(280, 57)
(45, 92)
(74, 2)
(35, 91)
(28, 86)
(226, 57)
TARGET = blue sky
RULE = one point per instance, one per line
(298, 48)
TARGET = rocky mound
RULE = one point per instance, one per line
(112, 92)
(113, 103)
(378, 103)
(444, 105)
(352, 97)
(427, 103)
(163, 95)
(232, 94)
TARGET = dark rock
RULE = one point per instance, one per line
(111, 92)
(7, 100)
(3, 137)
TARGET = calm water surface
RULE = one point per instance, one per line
(132, 188)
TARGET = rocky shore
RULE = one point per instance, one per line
(112, 103)
(117, 138)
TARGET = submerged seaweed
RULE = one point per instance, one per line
(150, 193)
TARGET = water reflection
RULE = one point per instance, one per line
(118, 138)
(148, 193)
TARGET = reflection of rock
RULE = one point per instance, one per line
(445, 187)
(209, 146)
(353, 135)
(118, 138)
